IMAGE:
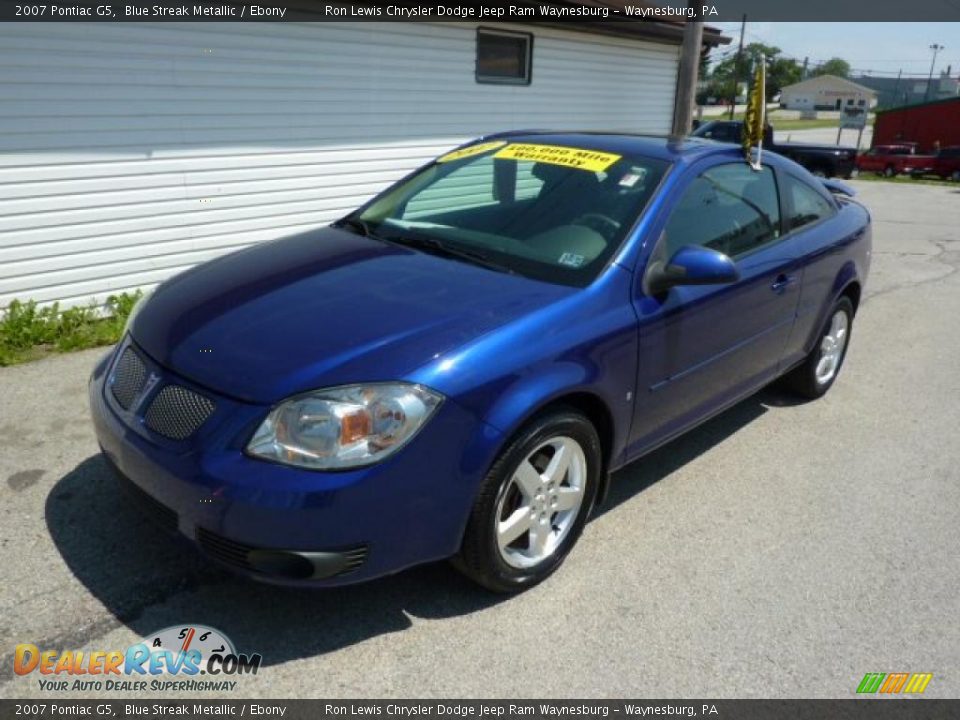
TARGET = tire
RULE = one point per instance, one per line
(805, 380)
(819, 172)
(956, 175)
(545, 535)
(889, 171)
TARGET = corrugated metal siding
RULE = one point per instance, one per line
(129, 153)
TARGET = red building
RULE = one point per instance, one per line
(926, 123)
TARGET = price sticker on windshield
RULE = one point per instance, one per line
(578, 158)
(471, 150)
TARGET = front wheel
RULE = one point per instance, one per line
(818, 372)
(533, 504)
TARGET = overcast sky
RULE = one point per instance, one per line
(883, 48)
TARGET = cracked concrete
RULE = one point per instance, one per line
(781, 550)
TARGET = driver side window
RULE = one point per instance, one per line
(730, 208)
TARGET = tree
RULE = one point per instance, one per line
(781, 71)
(833, 66)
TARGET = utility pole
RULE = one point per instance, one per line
(803, 75)
(736, 66)
(936, 48)
(687, 75)
(896, 88)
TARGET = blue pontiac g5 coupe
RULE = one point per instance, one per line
(454, 370)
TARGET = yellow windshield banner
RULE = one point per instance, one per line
(556, 155)
(471, 150)
(754, 118)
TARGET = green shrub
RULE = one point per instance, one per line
(28, 331)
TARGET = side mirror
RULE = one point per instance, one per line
(690, 265)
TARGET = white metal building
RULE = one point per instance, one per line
(827, 92)
(131, 152)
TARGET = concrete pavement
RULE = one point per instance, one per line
(781, 550)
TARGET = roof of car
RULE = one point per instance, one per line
(664, 147)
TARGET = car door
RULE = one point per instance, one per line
(702, 347)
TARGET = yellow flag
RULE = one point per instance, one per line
(754, 118)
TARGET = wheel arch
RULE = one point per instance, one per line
(585, 401)
(847, 283)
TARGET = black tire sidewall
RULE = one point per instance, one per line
(480, 554)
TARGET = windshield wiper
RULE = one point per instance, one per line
(361, 227)
(435, 247)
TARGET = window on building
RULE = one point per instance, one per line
(504, 57)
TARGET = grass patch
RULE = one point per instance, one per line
(798, 124)
(29, 332)
(781, 123)
(905, 179)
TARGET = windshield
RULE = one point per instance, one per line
(547, 212)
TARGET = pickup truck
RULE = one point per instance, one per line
(890, 160)
(821, 160)
(945, 164)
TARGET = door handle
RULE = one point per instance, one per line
(782, 282)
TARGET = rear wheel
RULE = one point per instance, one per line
(816, 375)
(533, 504)
(956, 175)
(889, 171)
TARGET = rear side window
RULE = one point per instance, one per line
(729, 208)
(808, 206)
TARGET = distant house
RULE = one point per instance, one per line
(827, 92)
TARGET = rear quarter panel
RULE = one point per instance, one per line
(836, 253)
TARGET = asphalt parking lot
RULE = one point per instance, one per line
(781, 550)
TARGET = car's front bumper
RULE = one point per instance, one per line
(285, 524)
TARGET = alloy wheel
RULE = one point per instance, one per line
(832, 347)
(540, 504)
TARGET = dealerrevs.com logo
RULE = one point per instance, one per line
(171, 659)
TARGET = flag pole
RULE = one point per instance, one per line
(763, 106)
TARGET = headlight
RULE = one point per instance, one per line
(344, 427)
(135, 310)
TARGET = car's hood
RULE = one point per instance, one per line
(324, 308)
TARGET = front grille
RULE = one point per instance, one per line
(147, 504)
(129, 376)
(177, 413)
(355, 558)
(238, 554)
(225, 550)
